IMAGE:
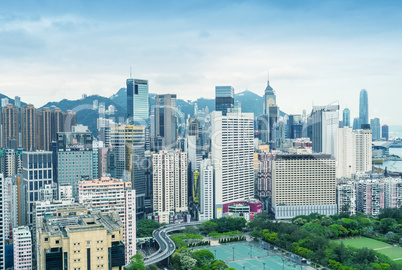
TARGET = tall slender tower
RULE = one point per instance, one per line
(44, 129)
(137, 101)
(29, 127)
(363, 108)
(346, 117)
(269, 98)
(10, 115)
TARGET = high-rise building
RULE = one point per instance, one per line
(37, 172)
(137, 102)
(363, 108)
(295, 126)
(356, 123)
(57, 123)
(346, 198)
(17, 102)
(206, 190)
(89, 241)
(74, 158)
(269, 98)
(29, 128)
(166, 120)
(3, 229)
(324, 129)
(108, 195)
(303, 184)
(385, 132)
(264, 187)
(44, 129)
(370, 196)
(224, 98)
(393, 192)
(364, 154)
(375, 128)
(346, 165)
(170, 182)
(233, 158)
(346, 117)
(22, 248)
(10, 122)
(4, 102)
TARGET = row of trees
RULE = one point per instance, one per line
(222, 225)
(232, 239)
(309, 237)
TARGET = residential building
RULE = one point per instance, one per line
(44, 129)
(206, 191)
(109, 195)
(264, 187)
(233, 158)
(166, 121)
(393, 193)
(90, 241)
(29, 128)
(346, 163)
(22, 248)
(3, 229)
(370, 196)
(170, 194)
(303, 184)
(10, 123)
(363, 141)
(346, 198)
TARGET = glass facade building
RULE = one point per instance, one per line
(137, 101)
(224, 98)
(363, 108)
(346, 117)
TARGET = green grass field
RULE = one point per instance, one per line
(392, 252)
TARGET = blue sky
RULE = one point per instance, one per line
(316, 51)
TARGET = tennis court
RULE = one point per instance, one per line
(249, 256)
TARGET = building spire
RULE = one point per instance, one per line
(268, 76)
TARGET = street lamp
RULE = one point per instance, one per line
(233, 252)
(283, 262)
(251, 250)
(215, 253)
(264, 265)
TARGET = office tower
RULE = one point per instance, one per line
(324, 129)
(57, 123)
(263, 128)
(10, 122)
(4, 102)
(139, 170)
(148, 181)
(273, 124)
(363, 108)
(356, 123)
(295, 126)
(346, 165)
(363, 143)
(385, 132)
(22, 248)
(303, 184)
(93, 241)
(29, 127)
(37, 172)
(346, 198)
(393, 192)
(369, 197)
(206, 190)
(137, 102)
(3, 229)
(166, 120)
(169, 184)
(109, 195)
(44, 129)
(269, 98)
(224, 98)
(233, 158)
(264, 174)
(375, 128)
(74, 158)
(346, 117)
(17, 102)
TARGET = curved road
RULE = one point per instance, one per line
(166, 245)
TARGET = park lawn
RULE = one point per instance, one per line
(358, 242)
(398, 261)
(392, 253)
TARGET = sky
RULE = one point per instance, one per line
(317, 52)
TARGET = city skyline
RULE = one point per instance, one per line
(325, 52)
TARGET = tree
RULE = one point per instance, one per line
(136, 263)
(208, 227)
(203, 256)
(388, 225)
(191, 230)
(187, 262)
(145, 227)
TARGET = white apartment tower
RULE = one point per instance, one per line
(206, 190)
(170, 193)
(393, 192)
(346, 163)
(22, 248)
(303, 184)
(363, 140)
(233, 157)
(346, 198)
(112, 195)
(3, 229)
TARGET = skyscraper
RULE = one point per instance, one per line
(269, 98)
(346, 117)
(385, 132)
(137, 101)
(44, 129)
(29, 127)
(3, 229)
(166, 120)
(10, 122)
(22, 248)
(363, 140)
(233, 158)
(346, 165)
(363, 108)
(224, 98)
(375, 128)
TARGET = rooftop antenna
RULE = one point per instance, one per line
(268, 76)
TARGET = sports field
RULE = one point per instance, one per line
(381, 247)
(251, 256)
